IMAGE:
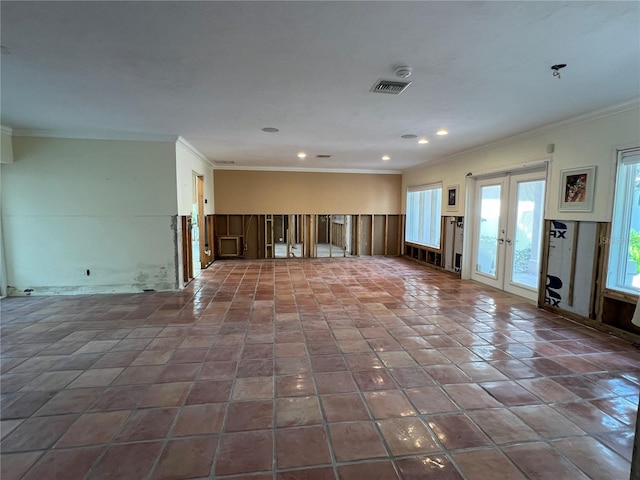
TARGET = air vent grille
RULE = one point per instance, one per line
(323, 156)
(224, 162)
(390, 86)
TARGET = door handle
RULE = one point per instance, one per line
(501, 240)
(508, 241)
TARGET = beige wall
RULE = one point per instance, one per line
(577, 145)
(260, 192)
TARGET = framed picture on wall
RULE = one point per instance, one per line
(576, 189)
(452, 197)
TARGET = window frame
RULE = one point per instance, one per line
(435, 224)
(623, 197)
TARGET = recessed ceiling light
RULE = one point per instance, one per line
(270, 130)
(386, 157)
(442, 132)
(302, 155)
(409, 135)
(422, 141)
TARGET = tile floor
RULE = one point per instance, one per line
(372, 368)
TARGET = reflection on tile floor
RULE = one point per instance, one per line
(369, 368)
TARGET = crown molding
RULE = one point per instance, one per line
(6, 130)
(307, 170)
(94, 135)
(184, 143)
(538, 131)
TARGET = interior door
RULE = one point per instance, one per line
(508, 232)
(201, 230)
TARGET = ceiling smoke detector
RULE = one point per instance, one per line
(389, 86)
(403, 71)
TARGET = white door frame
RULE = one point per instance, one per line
(496, 280)
(510, 242)
(470, 205)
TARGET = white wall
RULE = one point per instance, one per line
(6, 156)
(592, 142)
(188, 162)
(101, 205)
(6, 148)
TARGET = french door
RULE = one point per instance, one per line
(508, 232)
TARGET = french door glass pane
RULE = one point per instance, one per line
(489, 230)
(525, 265)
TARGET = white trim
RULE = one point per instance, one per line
(426, 186)
(534, 164)
(94, 135)
(536, 132)
(183, 142)
(309, 170)
(6, 130)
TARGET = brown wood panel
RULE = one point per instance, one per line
(235, 225)
(393, 230)
(221, 226)
(365, 235)
(187, 255)
(379, 230)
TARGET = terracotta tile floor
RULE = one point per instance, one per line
(364, 369)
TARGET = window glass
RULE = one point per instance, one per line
(424, 207)
(624, 244)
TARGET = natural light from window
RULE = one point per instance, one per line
(624, 244)
(424, 207)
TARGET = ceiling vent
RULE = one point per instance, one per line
(224, 162)
(390, 86)
(323, 156)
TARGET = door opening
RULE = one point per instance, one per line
(197, 225)
(508, 226)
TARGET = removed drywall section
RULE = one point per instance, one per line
(570, 258)
(265, 192)
(379, 234)
(89, 216)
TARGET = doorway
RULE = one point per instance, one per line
(197, 225)
(507, 236)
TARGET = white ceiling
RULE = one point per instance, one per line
(217, 72)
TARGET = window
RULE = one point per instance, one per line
(624, 244)
(424, 206)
